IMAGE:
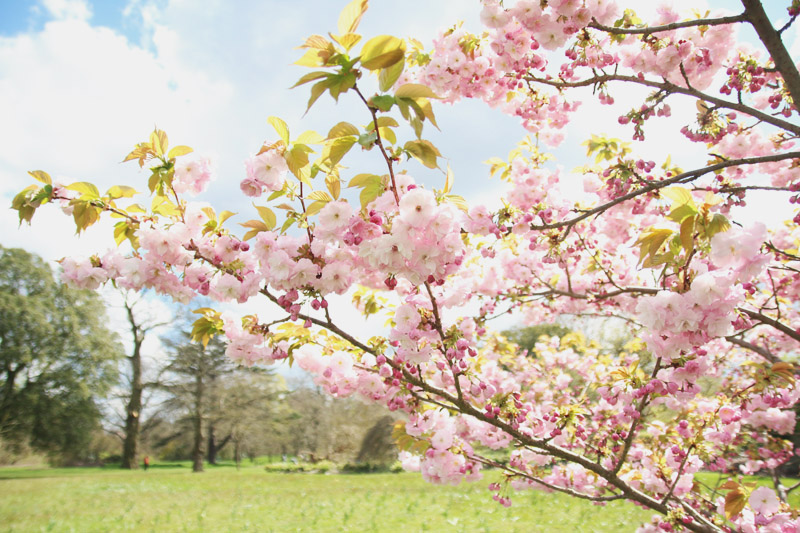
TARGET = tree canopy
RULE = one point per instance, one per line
(57, 357)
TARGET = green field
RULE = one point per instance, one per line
(169, 499)
(224, 499)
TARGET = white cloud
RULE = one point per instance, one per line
(68, 9)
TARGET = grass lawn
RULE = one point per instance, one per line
(169, 499)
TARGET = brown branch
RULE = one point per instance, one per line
(783, 328)
(774, 44)
(379, 142)
(667, 27)
(565, 490)
(672, 88)
(763, 352)
(683, 177)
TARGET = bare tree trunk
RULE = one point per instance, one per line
(130, 447)
(197, 450)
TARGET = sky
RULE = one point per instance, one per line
(82, 81)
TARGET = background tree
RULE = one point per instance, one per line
(140, 327)
(195, 370)
(56, 356)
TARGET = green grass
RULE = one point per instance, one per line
(224, 499)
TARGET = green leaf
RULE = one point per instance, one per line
(42, 176)
(178, 151)
(414, 90)
(368, 140)
(387, 77)
(383, 102)
(280, 127)
(382, 52)
(341, 84)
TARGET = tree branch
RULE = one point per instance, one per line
(672, 88)
(668, 27)
(771, 39)
(683, 177)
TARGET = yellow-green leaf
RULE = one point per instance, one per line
(370, 192)
(387, 77)
(334, 185)
(342, 129)
(382, 52)
(348, 40)
(383, 122)
(121, 191)
(458, 201)
(718, 224)
(317, 90)
(315, 207)
(178, 151)
(414, 90)
(296, 159)
(336, 150)
(310, 137)
(225, 215)
(312, 58)
(88, 190)
(351, 16)
(362, 180)
(311, 76)
(41, 175)
(448, 180)
(321, 196)
(687, 234)
(267, 215)
(162, 205)
(678, 195)
(424, 151)
(158, 140)
(280, 127)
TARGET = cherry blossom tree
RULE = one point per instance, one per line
(707, 384)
